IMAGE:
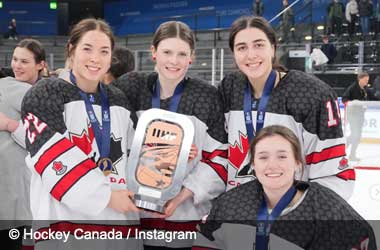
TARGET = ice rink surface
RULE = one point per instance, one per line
(366, 196)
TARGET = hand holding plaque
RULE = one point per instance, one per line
(159, 156)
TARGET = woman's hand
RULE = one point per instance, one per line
(121, 201)
(7, 124)
(172, 204)
(193, 152)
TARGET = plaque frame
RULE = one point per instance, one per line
(148, 197)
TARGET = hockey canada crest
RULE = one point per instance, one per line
(237, 154)
(85, 141)
(59, 168)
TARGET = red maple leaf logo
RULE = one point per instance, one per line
(84, 140)
(238, 151)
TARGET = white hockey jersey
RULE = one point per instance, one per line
(309, 108)
(66, 183)
(207, 174)
(15, 177)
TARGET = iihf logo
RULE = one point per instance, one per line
(92, 98)
(91, 115)
(106, 115)
(59, 168)
(261, 116)
(248, 117)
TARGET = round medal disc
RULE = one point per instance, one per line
(105, 164)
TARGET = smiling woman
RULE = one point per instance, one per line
(27, 61)
(263, 93)
(169, 88)
(78, 132)
(275, 211)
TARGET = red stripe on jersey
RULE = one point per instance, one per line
(367, 168)
(162, 224)
(326, 154)
(215, 153)
(218, 168)
(67, 181)
(346, 175)
(80, 229)
(51, 154)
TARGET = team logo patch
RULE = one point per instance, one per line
(85, 142)
(237, 154)
(59, 168)
(343, 163)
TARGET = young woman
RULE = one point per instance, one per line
(261, 94)
(277, 212)
(77, 134)
(173, 52)
(27, 62)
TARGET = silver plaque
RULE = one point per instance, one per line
(158, 157)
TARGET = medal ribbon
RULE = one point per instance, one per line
(174, 102)
(266, 220)
(269, 85)
(102, 133)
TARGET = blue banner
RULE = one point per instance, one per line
(32, 18)
(144, 16)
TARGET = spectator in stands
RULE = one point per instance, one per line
(12, 30)
(355, 112)
(287, 21)
(365, 12)
(263, 93)
(27, 62)
(376, 87)
(352, 12)
(257, 8)
(123, 61)
(335, 12)
(377, 19)
(328, 49)
(276, 211)
(170, 89)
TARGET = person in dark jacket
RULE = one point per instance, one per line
(335, 12)
(365, 12)
(355, 111)
(287, 20)
(257, 8)
(328, 49)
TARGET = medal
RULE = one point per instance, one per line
(105, 164)
(102, 131)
